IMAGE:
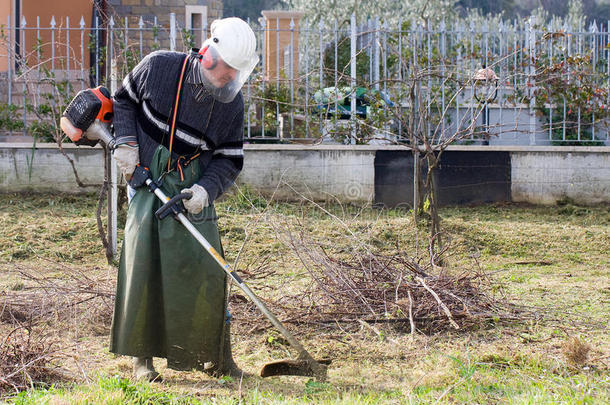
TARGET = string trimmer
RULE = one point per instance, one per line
(87, 121)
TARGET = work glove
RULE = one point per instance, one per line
(198, 201)
(127, 158)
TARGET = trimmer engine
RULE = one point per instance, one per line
(87, 118)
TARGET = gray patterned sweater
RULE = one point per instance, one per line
(143, 107)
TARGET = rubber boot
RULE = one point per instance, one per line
(227, 366)
(144, 370)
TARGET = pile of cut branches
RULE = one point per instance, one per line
(32, 312)
(409, 292)
(66, 294)
(26, 359)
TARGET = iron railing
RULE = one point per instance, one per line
(361, 81)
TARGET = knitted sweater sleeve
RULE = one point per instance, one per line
(127, 100)
(227, 160)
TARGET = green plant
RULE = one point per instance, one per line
(10, 117)
(570, 94)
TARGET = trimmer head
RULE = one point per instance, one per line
(295, 367)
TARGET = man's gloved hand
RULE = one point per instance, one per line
(198, 201)
(127, 158)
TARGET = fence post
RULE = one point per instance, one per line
(292, 67)
(321, 67)
(376, 54)
(10, 65)
(263, 66)
(82, 52)
(306, 57)
(67, 47)
(399, 97)
(172, 31)
(531, 80)
(353, 77)
(53, 23)
(23, 63)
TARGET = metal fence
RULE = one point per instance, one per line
(345, 83)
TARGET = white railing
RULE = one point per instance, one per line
(551, 88)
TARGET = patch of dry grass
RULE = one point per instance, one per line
(553, 258)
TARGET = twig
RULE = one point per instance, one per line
(377, 331)
(411, 312)
(443, 306)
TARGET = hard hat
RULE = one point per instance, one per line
(232, 42)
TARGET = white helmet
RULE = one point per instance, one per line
(233, 42)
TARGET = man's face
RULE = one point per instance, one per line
(221, 75)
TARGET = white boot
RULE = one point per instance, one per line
(144, 370)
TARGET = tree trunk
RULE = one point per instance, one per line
(435, 220)
(416, 187)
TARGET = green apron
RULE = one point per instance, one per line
(170, 298)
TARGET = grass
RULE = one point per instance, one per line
(552, 258)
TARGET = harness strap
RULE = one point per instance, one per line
(180, 164)
(175, 114)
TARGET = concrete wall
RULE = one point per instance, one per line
(538, 175)
(50, 170)
(581, 175)
(319, 172)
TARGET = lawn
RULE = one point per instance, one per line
(553, 261)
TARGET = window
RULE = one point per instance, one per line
(195, 20)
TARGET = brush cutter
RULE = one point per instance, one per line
(87, 121)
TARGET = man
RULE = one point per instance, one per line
(171, 296)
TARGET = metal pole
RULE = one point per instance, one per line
(67, 47)
(531, 79)
(82, 52)
(306, 27)
(172, 31)
(97, 51)
(10, 65)
(376, 54)
(37, 59)
(292, 67)
(278, 130)
(321, 62)
(22, 48)
(141, 29)
(111, 167)
(353, 77)
(399, 98)
(263, 67)
(53, 23)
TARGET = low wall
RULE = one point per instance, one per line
(580, 174)
(318, 172)
(363, 174)
(46, 169)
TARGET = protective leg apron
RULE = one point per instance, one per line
(170, 299)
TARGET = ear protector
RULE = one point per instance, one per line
(208, 58)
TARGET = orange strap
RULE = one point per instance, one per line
(186, 163)
(175, 114)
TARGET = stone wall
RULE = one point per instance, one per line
(162, 8)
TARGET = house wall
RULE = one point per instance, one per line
(68, 14)
(162, 8)
(6, 9)
(277, 38)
